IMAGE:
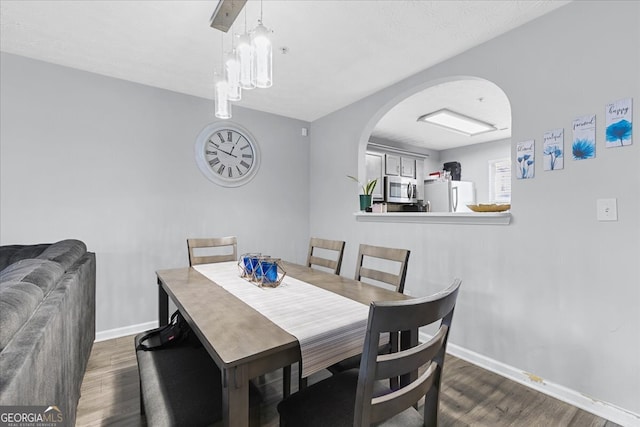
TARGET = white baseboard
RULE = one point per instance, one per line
(572, 397)
(123, 332)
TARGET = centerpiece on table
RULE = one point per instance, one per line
(262, 270)
(367, 190)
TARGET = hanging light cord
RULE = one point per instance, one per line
(261, 11)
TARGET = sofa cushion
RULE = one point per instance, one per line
(64, 252)
(42, 273)
(18, 300)
(13, 253)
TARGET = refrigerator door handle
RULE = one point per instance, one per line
(455, 199)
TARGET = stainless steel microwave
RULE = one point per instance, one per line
(400, 190)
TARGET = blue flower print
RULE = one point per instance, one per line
(583, 149)
(619, 131)
(555, 152)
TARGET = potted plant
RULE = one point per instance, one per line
(367, 189)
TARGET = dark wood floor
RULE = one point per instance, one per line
(471, 396)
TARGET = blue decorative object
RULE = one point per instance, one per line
(250, 262)
(262, 270)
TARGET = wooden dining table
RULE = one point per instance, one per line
(243, 343)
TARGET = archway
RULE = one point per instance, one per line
(395, 124)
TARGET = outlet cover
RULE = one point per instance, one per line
(607, 210)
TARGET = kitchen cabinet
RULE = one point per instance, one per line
(392, 165)
(400, 166)
(408, 167)
(374, 163)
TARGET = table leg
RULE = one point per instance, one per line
(408, 339)
(286, 381)
(163, 305)
(235, 397)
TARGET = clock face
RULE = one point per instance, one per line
(227, 154)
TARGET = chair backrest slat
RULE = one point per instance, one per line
(400, 256)
(394, 317)
(389, 365)
(329, 245)
(401, 399)
(216, 242)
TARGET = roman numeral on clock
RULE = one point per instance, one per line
(214, 161)
(221, 137)
(221, 169)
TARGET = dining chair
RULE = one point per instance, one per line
(361, 397)
(399, 257)
(315, 258)
(207, 251)
(181, 385)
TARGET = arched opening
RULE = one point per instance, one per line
(484, 155)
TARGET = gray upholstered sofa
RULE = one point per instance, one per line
(47, 323)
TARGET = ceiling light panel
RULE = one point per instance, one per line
(457, 122)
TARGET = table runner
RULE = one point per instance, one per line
(329, 327)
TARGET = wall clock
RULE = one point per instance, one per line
(227, 154)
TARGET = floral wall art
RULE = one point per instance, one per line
(553, 146)
(584, 137)
(619, 123)
(525, 159)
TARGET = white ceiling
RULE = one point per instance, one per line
(475, 98)
(339, 51)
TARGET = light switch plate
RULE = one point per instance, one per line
(607, 209)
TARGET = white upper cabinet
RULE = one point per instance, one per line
(408, 167)
(374, 171)
(392, 165)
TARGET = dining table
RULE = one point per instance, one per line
(244, 342)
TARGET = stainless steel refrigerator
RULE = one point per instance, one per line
(449, 196)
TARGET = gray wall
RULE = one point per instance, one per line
(112, 163)
(555, 293)
(474, 161)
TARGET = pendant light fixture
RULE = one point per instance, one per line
(232, 73)
(246, 65)
(222, 104)
(263, 55)
(245, 58)
(221, 87)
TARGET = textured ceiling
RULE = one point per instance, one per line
(338, 51)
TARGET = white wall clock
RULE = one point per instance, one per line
(227, 154)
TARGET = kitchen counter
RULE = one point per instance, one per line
(482, 218)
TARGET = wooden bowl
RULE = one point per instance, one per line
(490, 208)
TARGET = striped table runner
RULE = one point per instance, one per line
(328, 326)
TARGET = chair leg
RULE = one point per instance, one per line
(254, 416)
(142, 412)
(431, 407)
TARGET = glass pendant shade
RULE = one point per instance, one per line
(245, 59)
(222, 104)
(262, 56)
(232, 74)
